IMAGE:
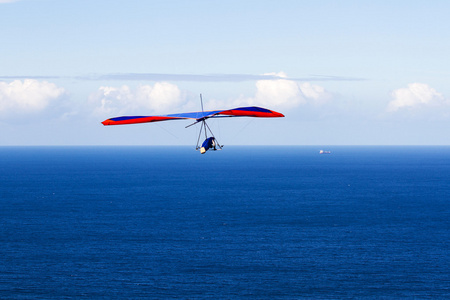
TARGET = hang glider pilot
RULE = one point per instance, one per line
(209, 143)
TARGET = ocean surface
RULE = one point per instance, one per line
(242, 223)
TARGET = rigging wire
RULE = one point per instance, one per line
(243, 128)
(204, 126)
(199, 134)
(212, 134)
(172, 134)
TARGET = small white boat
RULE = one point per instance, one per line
(324, 152)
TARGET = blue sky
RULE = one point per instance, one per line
(343, 72)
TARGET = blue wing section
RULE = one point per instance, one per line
(194, 115)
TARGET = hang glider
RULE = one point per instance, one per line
(202, 116)
(252, 111)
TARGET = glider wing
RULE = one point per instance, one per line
(251, 111)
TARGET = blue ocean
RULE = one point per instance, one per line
(242, 223)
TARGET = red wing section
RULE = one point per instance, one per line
(252, 111)
(137, 120)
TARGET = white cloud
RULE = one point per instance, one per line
(285, 93)
(162, 97)
(28, 96)
(314, 92)
(415, 95)
(280, 92)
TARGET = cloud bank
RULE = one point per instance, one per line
(158, 98)
(164, 97)
(414, 96)
(27, 96)
(211, 77)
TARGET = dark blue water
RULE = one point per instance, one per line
(245, 222)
